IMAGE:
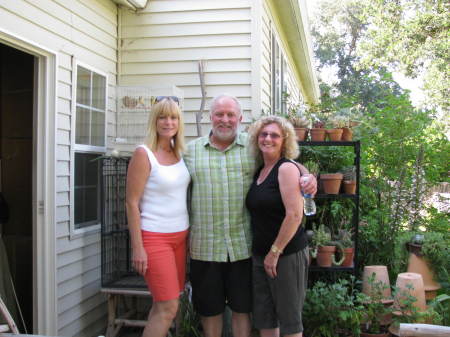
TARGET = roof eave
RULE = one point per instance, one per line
(293, 21)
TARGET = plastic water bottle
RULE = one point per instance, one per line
(309, 206)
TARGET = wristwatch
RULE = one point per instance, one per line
(274, 249)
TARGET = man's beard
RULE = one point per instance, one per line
(225, 136)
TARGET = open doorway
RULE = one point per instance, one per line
(16, 167)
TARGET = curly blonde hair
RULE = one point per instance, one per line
(289, 149)
(166, 107)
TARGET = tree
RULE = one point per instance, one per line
(411, 36)
(337, 31)
(399, 158)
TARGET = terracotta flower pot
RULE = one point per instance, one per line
(349, 186)
(301, 133)
(381, 275)
(334, 135)
(324, 256)
(331, 182)
(410, 283)
(347, 134)
(348, 257)
(317, 134)
(417, 264)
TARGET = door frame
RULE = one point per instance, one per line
(44, 181)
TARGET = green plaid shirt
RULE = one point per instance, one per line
(220, 223)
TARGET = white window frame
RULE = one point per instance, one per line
(278, 106)
(82, 148)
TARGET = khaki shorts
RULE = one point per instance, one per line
(279, 302)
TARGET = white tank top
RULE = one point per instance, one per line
(163, 204)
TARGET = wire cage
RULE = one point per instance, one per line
(134, 104)
(116, 266)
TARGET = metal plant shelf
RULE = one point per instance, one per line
(330, 143)
(355, 197)
(333, 268)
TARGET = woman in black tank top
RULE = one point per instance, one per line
(279, 242)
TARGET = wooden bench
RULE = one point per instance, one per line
(115, 295)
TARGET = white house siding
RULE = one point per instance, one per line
(266, 61)
(87, 31)
(162, 44)
(269, 27)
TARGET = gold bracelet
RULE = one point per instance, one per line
(274, 249)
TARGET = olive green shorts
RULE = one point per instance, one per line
(279, 302)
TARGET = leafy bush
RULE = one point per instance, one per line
(332, 308)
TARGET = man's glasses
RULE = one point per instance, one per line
(272, 135)
(172, 98)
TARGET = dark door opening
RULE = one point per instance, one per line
(16, 167)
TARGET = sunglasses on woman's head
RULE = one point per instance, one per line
(172, 98)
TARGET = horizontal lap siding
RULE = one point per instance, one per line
(266, 62)
(293, 86)
(162, 44)
(86, 30)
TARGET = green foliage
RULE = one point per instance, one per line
(410, 36)
(404, 150)
(375, 310)
(441, 305)
(189, 323)
(344, 237)
(330, 158)
(408, 313)
(312, 167)
(332, 308)
(322, 236)
(435, 249)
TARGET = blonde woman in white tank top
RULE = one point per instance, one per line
(158, 221)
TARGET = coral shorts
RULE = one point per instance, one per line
(166, 261)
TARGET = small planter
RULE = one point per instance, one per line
(349, 186)
(348, 257)
(347, 134)
(331, 182)
(334, 135)
(301, 133)
(381, 275)
(325, 256)
(317, 134)
(412, 284)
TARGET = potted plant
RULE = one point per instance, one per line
(349, 179)
(300, 124)
(318, 117)
(334, 127)
(344, 237)
(351, 117)
(324, 248)
(312, 167)
(331, 182)
(377, 315)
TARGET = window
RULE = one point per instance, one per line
(90, 143)
(279, 85)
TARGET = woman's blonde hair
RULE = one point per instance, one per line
(164, 108)
(289, 149)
